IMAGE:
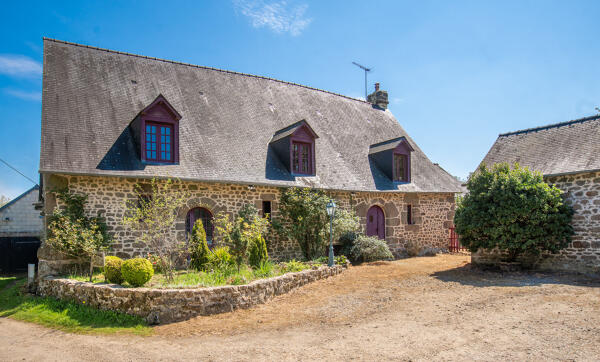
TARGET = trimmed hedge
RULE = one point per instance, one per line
(112, 269)
(137, 271)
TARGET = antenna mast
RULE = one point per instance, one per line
(366, 71)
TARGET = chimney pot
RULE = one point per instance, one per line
(376, 87)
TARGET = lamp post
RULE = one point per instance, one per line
(331, 213)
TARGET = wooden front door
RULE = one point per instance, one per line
(376, 222)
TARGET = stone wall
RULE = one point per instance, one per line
(172, 305)
(432, 213)
(582, 192)
(21, 218)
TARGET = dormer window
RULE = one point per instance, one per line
(295, 147)
(157, 130)
(302, 158)
(393, 158)
(400, 167)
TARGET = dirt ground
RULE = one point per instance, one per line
(430, 308)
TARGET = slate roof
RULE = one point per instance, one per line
(13, 201)
(91, 95)
(561, 148)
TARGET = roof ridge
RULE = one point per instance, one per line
(553, 125)
(203, 67)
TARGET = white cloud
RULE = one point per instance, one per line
(28, 96)
(19, 65)
(279, 16)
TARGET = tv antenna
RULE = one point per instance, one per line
(366, 71)
(598, 110)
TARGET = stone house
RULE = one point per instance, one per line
(567, 155)
(111, 120)
(20, 229)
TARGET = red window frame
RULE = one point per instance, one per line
(159, 142)
(302, 155)
(403, 159)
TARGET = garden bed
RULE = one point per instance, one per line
(157, 305)
(213, 278)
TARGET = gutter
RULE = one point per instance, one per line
(244, 183)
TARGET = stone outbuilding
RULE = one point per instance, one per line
(567, 155)
(21, 226)
(111, 120)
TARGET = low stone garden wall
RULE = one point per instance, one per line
(172, 305)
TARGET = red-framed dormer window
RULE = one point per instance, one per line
(159, 133)
(159, 142)
(401, 167)
(302, 158)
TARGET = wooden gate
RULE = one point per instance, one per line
(455, 242)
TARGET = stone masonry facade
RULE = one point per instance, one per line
(582, 192)
(21, 218)
(432, 212)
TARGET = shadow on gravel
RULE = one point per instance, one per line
(469, 275)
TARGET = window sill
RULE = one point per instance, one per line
(159, 163)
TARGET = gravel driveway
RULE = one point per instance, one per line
(418, 309)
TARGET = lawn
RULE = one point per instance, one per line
(66, 316)
(226, 276)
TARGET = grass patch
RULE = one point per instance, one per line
(66, 316)
(4, 281)
(213, 278)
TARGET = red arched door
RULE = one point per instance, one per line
(200, 213)
(376, 222)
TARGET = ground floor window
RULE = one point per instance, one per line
(200, 213)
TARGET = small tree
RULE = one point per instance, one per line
(513, 210)
(345, 221)
(153, 214)
(239, 233)
(257, 251)
(200, 254)
(303, 218)
(73, 233)
(3, 200)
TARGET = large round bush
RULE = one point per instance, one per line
(137, 271)
(513, 210)
(368, 248)
(112, 269)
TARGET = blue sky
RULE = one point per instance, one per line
(458, 72)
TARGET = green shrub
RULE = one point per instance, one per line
(137, 271)
(338, 260)
(368, 248)
(112, 269)
(341, 260)
(513, 210)
(221, 259)
(199, 247)
(264, 270)
(257, 253)
(303, 219)
(293, 266)
(160, 265)
(347, 241)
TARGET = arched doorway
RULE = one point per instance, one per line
(200, 213)
(376, 222)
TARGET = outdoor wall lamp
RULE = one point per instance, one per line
(331, 213)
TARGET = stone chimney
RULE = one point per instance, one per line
(378, 98)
